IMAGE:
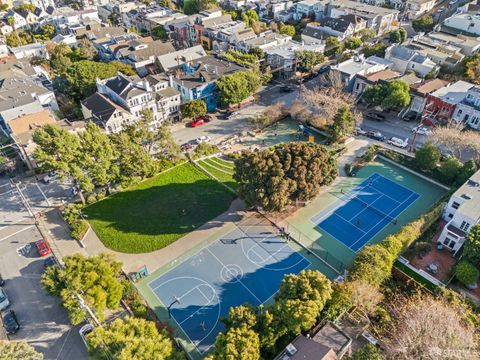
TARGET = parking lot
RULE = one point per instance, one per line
(43, 322)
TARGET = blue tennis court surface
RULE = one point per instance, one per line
(364, 211)
(245, 266)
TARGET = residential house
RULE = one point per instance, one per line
(43, 4)
(468, 110)
(142, 55)
(272, 9)
(439, 52)
(19, 21)
(467, 23)
(134, 95)
(30, 17)
(176, 59)
(469, 45)
(196, 23)
(5, 29)
(220, 35)
(66, 16)
(265, 40)
(70, 40)
(305, 8)
(4, 51)
(237, 4)
(419, 93)
(325, 342)
(282, 58)
(38, 50)
(179, 31)
(197, 79)
(405, 59)
(363, 81)
(240, 36)
(145, 19)
(461, 213)
(114, 11)
(416, 8)
(203, 23)
(358, 65)
(342, 27)
(441, 104)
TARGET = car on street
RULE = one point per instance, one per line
(412, 115)
(42, 247)
(422, 130)
(375, 116)
(398, 142)
(4, 302)
(453, 2)
(84, 331)
(199, 121)
(10, 322)
(286, 89)
(360, 131)
(2, 282)
(49, 262)
(203, 139)
(324, 69)
(376, 135)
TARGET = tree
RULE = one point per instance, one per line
(19, 38)
(191, 7)
(167, 145)
(367, 352)
(423, 24)
(467, 170)
(472, 68)
(257, 52)
(343, 124)
(373, 265)
(234, 88)
(159, 33)
(450, 168)
(237, 343)
(466, 273)
(457, 141)
(307, 60)
(333, 46)
(60, 58)
(125, 69)
(286, 29)
(241, 316)
(367, 35)
(82, 75)
(233, 14)
(393, 94)
(417, 321)
(275, 179)
(194, 109)
(86, 51)
(353, 43)
(249, 16)
(95, 278)
(27, 7)
(471, 250)
(394, 37)
(300, 299)
(18, 350)
(132, 338)
(428, 156)
(374, 50)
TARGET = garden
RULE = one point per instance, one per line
(157, 212)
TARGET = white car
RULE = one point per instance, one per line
(422, 130)
(84, 331)
(360, 131)
(4, 302)
(398, 142)
(453, 2)
(203, 139)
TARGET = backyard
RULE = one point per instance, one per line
(157, 212)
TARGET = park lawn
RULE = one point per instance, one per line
(155, 213)
(220, 171)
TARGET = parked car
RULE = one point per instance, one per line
(376, 135)
(286, 89)
(4, 302)
(199, 121)
(398, 142)
(203, 139)
(42, 247)
(2, 282)
(84, 331)
(51, 176)
(10, 322)
(453, 2)
(49, 262)
(412, 115)
(360, 131)
(422, 130)
(324, 69)
(375, 116)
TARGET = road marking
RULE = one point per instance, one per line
(17, 232)
(43, 194)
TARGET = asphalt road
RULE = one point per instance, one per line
(44, 322)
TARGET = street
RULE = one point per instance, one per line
(44, 323)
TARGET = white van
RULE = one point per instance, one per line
(398, 142)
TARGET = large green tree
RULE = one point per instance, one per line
(193, 109)
(306, 60)
(249, 17)
(393, 94)
(95, 278)
(286, 29)
(159, 33)
(167, 145)
(333, 46)
(237, 343)
(428, 156)
(450, 168)
(367, 352)
(423, 24)
(18, 350)
(367, 35)
(352, 43)
(236, 87)
(343, 124)
(276, 178)
(471, 249)
(132, 338)
(191, 7)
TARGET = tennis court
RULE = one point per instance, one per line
(361, 213)
(244, 266)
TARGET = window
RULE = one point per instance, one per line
(460, 111)
(450, 216)
(464, 226)
(455, 205)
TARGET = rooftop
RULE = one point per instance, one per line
(470, 192)
(427, 87)
(30, 122)
(101, 106)
(455, 93)
(174, 59)
(357, 65)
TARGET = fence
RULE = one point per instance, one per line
(305, 242)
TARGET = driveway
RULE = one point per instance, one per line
(44, 322)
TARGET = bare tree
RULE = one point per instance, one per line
(276, 112)
(365, 296)
(427, 328)
(456, 141)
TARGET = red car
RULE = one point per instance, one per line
(43, 247)
(200, 121)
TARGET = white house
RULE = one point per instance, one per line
(468, 23)
(36, 49)
(461, 213)
(405, 59)
(468, 110)
(416, 8)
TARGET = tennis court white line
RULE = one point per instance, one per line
(239, 281)
(369, 206)
(388, 222)
(348, 221)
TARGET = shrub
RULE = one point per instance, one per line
(138, 308)
(205, 149)
(91, 198)
(348, 169)
(466, 273)
(79, 229)
(369, 155)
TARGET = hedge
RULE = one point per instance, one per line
(466, 273)
(374, 263)
(79, 229)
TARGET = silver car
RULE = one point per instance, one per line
(4, 302)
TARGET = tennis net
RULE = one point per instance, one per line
(369, 206)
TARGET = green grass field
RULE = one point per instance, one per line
(158, 211)
(221, 169)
